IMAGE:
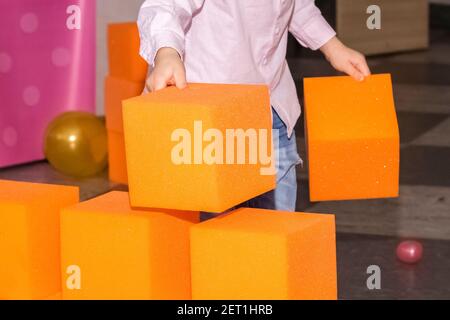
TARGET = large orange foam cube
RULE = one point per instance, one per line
(261, 254)
(29, 238)
(169, 136)
(117, 90)
(117, 158)
(110, 251)
(123, 47)
(352, 138)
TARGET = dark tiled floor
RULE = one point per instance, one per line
(416, 73)
(422, 98)
(425, 165)
(413, 124)
(428, 279)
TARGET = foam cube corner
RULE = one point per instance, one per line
(352, 138)
(29, 238)
(254, 254)
(113, 252)
(204, 148)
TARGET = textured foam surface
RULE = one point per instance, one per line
(54, 297)
(150, 121)
(123, 253)
(29, 238)
(352, 138)
(123, 48)
(117, 90)
(263, 254)
(117, 159)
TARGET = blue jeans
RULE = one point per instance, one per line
(284, 197)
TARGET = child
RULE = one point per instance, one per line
(244, 42)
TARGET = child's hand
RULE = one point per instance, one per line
(169, 70)
(345, 59)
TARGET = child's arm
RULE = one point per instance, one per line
(162, 27)
(346, 60)
(311, 29)
(168, 70)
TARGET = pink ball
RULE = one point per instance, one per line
(409, 251)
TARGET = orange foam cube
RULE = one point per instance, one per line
(29, 238)
(259, 254)
(352, 138)
(110, 251)
(55, 297)
(117, 158)
(123, 46)
(185, 151)
(117, 90)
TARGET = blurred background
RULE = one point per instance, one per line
(413, 45)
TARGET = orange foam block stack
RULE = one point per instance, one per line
(259, 254)
(116, 90)
(352, 138)
(126, 79)
(123, 47)
(29, 238)
(117, 158)
(110, 251)
(185, 151)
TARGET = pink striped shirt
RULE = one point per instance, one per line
(235, 41)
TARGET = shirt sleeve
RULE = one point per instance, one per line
(163, 23)
(308, 25)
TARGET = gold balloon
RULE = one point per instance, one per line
(76, 144)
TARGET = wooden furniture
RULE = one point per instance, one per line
(404, 25)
